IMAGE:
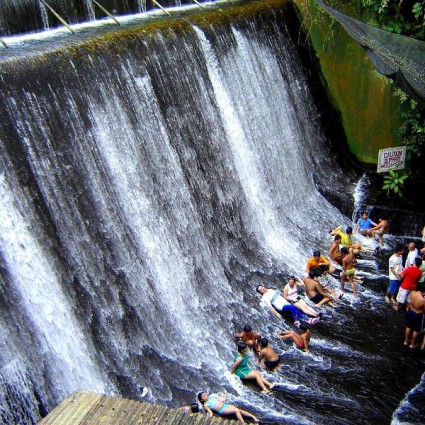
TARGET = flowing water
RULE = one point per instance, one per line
(148, 184)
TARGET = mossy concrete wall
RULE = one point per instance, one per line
(370, 113)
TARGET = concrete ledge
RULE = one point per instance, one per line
(87, 408)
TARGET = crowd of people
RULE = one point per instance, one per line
(406, 290)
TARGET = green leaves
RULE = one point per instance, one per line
(394, 182)
(418, 10)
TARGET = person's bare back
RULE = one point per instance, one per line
(334, 251)
(417, 302)
(348, 261)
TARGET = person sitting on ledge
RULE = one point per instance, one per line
(250, 337)
(268, 356)
(314, 290)
(320, 263)
(301, 340)
(241, 368)
(290, 292)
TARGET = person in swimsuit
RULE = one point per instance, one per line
(348, 270)
(250, 337)
(314, 290)
(215, 403)
(290, 292)
(347, 239)
(415, 316)
(268, 356)
(380, 230)
(334, 252)
(301, 340)
(241, 368)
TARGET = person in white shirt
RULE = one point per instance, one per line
(281, 307)
(412, 254)
(395, 267)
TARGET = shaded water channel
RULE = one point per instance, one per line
(148, 185)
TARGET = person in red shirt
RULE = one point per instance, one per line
(410, 279)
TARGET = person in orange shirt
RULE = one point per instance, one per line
(320, 263)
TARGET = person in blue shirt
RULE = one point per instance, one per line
(365, 224)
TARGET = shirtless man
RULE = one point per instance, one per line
(314, 290)
(415, 316)
(380, 230)
(334, 252)
(348, 270)
(347, 239)
(250, 338)
(268, 356)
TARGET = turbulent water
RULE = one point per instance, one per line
(148, 184)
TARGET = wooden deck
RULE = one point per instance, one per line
(87, 408)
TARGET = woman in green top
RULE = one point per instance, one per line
(240, 368)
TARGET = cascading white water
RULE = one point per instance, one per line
(89, 10)
(36, 283)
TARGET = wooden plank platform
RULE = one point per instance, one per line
(88, 408)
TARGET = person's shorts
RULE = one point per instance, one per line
(317, 298)
(414, 321)
(393, 286)
(271, 365)
(350, 272)
(402, 295)
(338, 260)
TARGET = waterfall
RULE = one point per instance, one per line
(148, 184)
(89, 10)
(19, 16)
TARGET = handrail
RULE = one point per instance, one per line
(157, 4)
(105, 11)
(57, 16)
(199, 4)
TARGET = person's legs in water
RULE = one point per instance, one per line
(261, 381)
(295, 337)
(305, 308)
(230, 409)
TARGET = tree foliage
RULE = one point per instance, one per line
(394, 182)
